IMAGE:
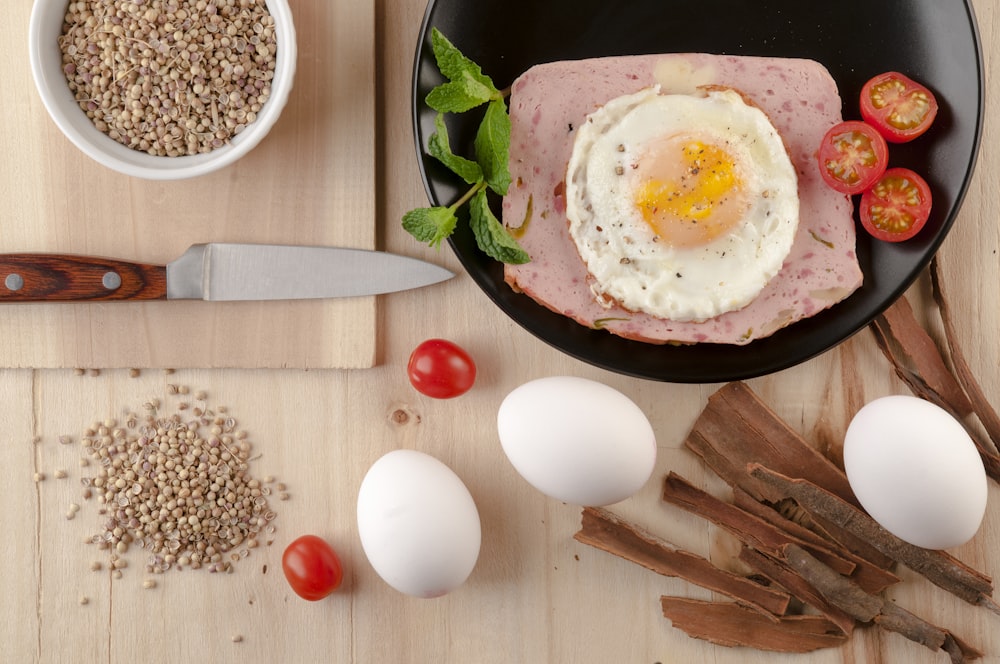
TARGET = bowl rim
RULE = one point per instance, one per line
(81, 132)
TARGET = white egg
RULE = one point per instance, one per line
(681, 206)
(418, 524)
(916, 471)
(577, 440)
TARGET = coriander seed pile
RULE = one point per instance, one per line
(178, 486)
(169, 77)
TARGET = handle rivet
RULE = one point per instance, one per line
(111, 280)
(14, 282)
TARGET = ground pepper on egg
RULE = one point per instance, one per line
(169, 77)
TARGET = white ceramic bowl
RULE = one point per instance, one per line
(46, 67)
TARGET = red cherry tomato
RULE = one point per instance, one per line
(312, 567)
(852, 156)
(441, 369)
(898, 107)
(897, 206)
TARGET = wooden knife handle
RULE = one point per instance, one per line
(65, 277)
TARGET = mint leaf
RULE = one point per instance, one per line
(492, 146)
(458, 96)
(491, 237)
(454, 66)
(439, 147)
(467, 88)
(430, 225)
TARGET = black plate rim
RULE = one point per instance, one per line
(702, 377)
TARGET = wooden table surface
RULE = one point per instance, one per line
(536, 594)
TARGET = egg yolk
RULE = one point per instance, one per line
(688, 191)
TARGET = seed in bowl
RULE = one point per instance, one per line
(169, 77)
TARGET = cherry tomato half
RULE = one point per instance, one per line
(898, 107)
(897, 206)
(441, 369)
(312, 567)
(852, 156)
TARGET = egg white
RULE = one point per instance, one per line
(641, 269)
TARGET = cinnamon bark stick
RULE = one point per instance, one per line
(737, 428)
(732, 625)
(782, 574)
(869, 575)
(747, 503)
(858, 546)
(938, 567)
(849, 597)
(607, 532)
(905, 342)
(750, 530)
(761, 535)
(980, 404)
(930, 377)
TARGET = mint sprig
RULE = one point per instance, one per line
(439, 146)
(492, 146)
(467, 88)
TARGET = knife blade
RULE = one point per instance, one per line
(215, 272)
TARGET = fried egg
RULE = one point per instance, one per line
(681, 206)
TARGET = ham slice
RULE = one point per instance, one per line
(549, 101)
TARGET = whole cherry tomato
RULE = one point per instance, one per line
(852, 156)
(312, 567)
(441, 369)
(897, 206)
(899, 107)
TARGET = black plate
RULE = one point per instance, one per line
(934, 41)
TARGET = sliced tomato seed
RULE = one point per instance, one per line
(885, 93)
(911, 113)
(891, 220)
(852, 156)
(896, 186)
(900, 192)
(855, 148)
(911, 108)
(842, 173)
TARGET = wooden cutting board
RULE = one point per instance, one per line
(311, 181)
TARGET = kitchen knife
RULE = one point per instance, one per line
(217, 272)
